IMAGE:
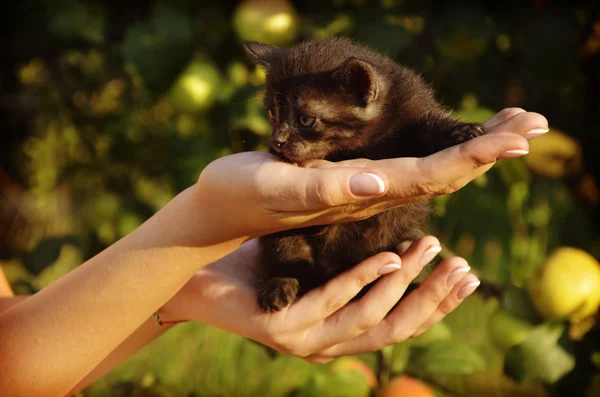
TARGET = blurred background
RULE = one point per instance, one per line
(108, 109)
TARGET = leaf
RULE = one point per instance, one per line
(74, 20)
(540, 357)
(437, 332)
(516, 301)
(381, 34)
(168, 32)
(450, 357)
(335, 384)
(462, 33)
(46, 253)
(400, 356)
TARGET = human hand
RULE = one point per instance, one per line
(324, 323)
(254, 193)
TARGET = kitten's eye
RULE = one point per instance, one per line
(307, 121)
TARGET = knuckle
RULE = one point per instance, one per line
(426, 188)
(368, 319)
(322, 191)
(419, 332)
(510, 112)
(434, 295)
(317, 359)
(477, 160)
(333, 304)
(450, 303)
(363, 280)
(446, 307)
(284, 345)
(400, 336)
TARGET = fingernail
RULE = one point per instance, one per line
(511, 154)
(468, 289)
(536, 132)
(457, 275)
(366, 184)
(429, 255)
(387, 269)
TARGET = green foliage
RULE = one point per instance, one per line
(129, 102)
(540, 357)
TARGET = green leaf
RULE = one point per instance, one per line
(46, 253)
(516, 301)
(74, 20)
(540, 357)
(440, 331)
(400, 356)
(450, 357)
(335, 384)
(595, 358)
(381, 34)
(169, 33)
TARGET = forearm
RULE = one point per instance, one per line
(52, 340)
(145, 334)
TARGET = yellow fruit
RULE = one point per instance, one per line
(507, 330)
(268, 21)
(352, 364)
(196, 88)
(405, 386)
(554, 155)
(567, 286)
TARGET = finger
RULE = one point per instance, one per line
(321, 302)
(316, 189)
(500, 117)
(449, 170)
(359, 316)
(406, 179)
(408, 316)
(529, 124)
(464, 288)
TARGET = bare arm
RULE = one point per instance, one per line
(52, 340)
(145, 334)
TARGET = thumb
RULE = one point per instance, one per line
(322, 188)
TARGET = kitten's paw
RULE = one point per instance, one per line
(466, 132)
(276, 293)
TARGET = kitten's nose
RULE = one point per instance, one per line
(280, 138)
(279, 144)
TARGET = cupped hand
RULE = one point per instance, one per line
(326, 323)
(257, 194)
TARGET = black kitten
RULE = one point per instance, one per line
(332, 99)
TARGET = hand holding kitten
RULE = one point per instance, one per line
(257, 194)
(322, 324)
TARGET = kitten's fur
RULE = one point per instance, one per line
(365, 106)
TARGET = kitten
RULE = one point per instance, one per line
(332, 99)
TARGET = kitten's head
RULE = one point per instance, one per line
(324, 97)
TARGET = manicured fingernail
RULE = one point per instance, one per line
(429, 255)
(366, 184)
(457, 275)
(387, 269)
(511, 154)
(468, 289)
(536, 132)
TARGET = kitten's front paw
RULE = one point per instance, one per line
(276, 293)
(466, 132)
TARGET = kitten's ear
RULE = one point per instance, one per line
(261, 53)
(358, 77)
